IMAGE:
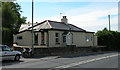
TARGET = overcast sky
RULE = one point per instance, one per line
(92, 16)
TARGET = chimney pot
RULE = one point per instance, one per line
(64, 16)
(64, 19)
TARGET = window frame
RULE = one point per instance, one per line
(19, 37)
(91, 38)
(43, 40)
(5, 48)
(87, 39)
(64, 39)
(57, 38)
(35, 36)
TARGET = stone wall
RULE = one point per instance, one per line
(61, 50)
(58, 50)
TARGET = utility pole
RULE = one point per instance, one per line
(61, 15)
(0, 22)
(32, 28)
(109, 21)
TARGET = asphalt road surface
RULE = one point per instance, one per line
(93, 60)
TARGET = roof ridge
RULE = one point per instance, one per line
(36, 24)
(49, 24)
(77, 27)
(61, 23)
(55, 21)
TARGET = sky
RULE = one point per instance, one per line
(91, 16)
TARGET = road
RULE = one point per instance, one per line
(93, 60)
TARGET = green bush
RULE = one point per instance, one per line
(111, 39)
(7, 37)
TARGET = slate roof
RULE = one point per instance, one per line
(26, 26)
(48, 24)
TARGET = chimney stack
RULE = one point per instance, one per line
(64, 20)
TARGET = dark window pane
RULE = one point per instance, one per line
(42, 38)
(91, 38)
(5, 48)
(57, 40)
(64, 38)
(42, 33)
(36, 38)
(19, 37)
(87, 38)
(56, 34)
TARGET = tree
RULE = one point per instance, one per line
(11, 21)
(110, 39)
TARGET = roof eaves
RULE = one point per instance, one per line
(89, 32)
(22, 31)
(71, 30)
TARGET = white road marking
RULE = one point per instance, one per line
(85, 61)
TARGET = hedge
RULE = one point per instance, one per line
(111, 39)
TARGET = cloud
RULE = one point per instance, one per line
(91, 19)
(68, 0)
(34, 20)
(54, 18)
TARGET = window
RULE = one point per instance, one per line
(42, 38)
(0, 48)
(19, 37)
(64, 39)
(36, 38)
(57, 38)
(91, 38)
(5, 48)
(87, 38)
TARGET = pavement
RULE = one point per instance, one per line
(38, 58)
